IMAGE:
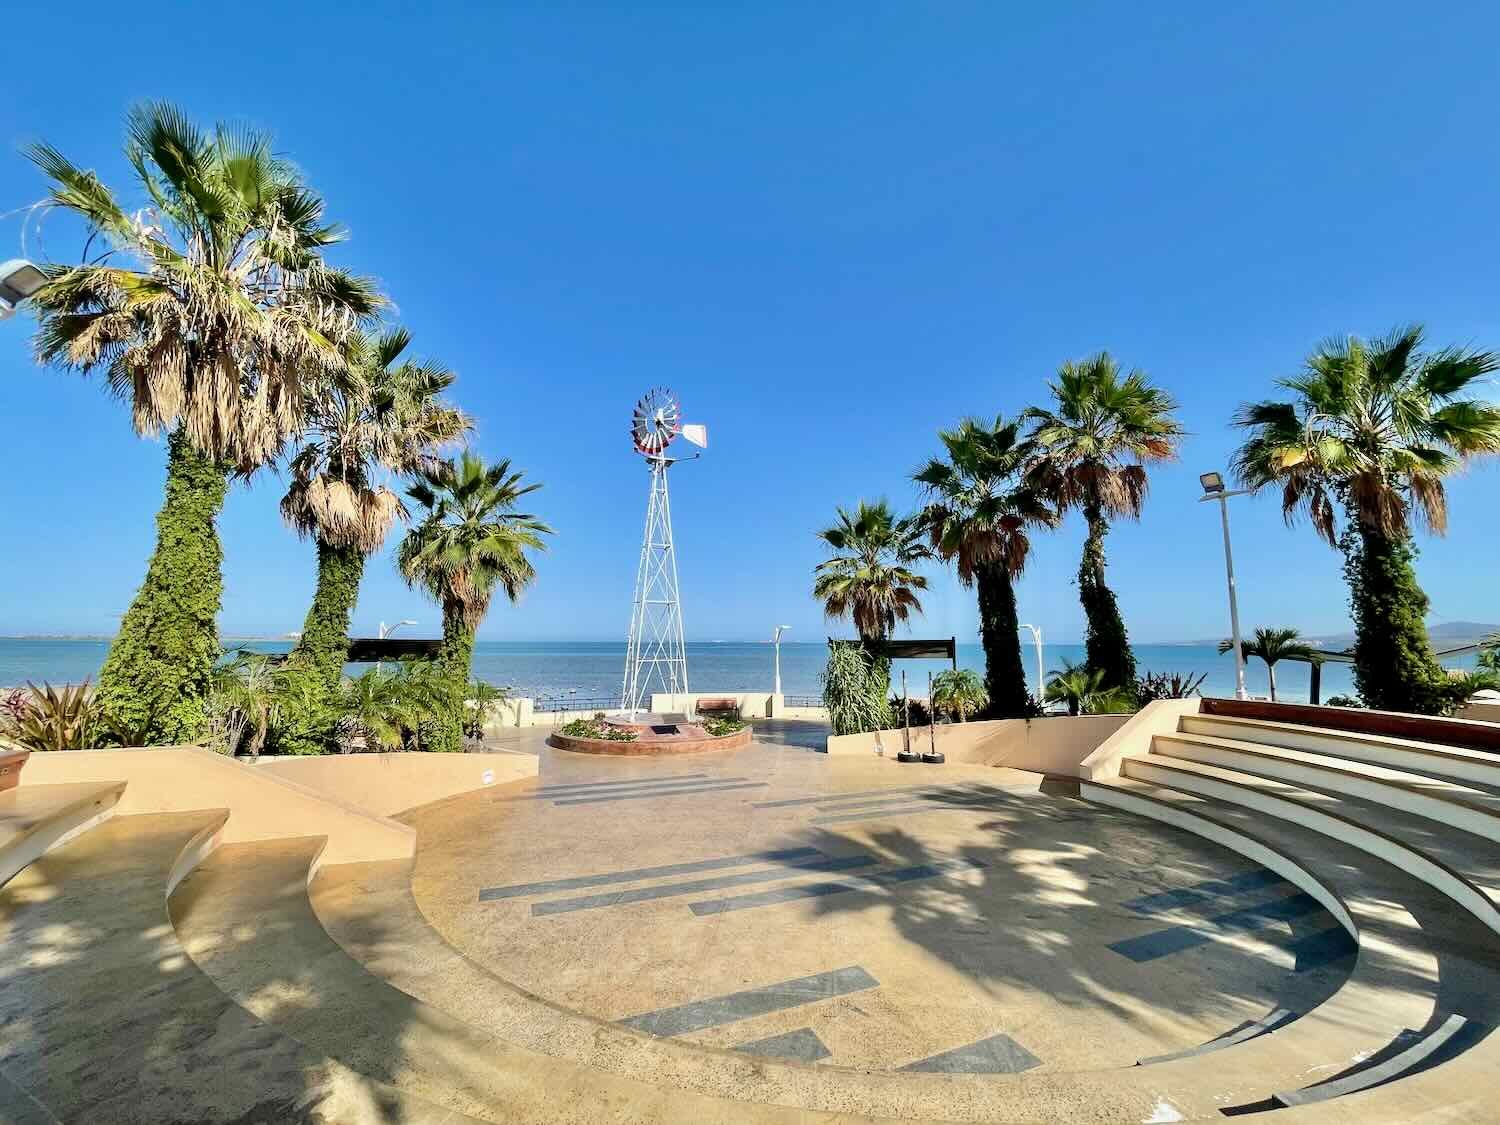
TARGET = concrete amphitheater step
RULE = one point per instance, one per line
(1433, 759)
(1420, 960)
(104, 1018)
(34, 818)
(437, 1022)
(1455, 863)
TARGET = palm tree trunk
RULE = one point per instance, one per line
(1271, 675)
(323, 647)
(160, 667)
(1394, 667)
(456, 659)
(1000, 633)
(1106, 645)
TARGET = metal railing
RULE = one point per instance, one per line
(803, 700)
(576, 703)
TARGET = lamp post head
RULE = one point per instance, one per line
(19, 279)
(1213, 483)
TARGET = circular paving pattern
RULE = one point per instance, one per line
(856, 913)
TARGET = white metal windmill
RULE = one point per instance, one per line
(656, 654)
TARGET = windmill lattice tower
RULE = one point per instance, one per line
(655, 652)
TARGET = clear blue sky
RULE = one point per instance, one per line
(832, 231)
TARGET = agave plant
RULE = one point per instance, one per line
(55, 718)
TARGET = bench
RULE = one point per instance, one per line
(730, 708)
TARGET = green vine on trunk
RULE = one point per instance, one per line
(1106, 644)
(312, 673)
(1000, 634)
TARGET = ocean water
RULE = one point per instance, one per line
(593, 671)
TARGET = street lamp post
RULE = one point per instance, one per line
(1036, 639)
(776, 640)
(1213, 489)
(387, 630)
(19, 279)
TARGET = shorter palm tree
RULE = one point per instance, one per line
(1273, 646)
(870, 577)
(959, 692)
(1085, 691)
(471, 542)
(377, 713)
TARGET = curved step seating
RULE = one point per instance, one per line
(104, 1018)
(34, 818)
(416, 1013)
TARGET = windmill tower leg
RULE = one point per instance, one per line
(655, 653)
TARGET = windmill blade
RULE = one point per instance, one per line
(696, 434)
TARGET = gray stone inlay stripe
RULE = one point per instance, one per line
(894, 809)
(999, 1054)
(802, 1045)
(936, 794)
(874, 881)
(1393, 1067)
(1237, 1034)
(605, 879)
(720, 1010)
(1201, 892)
(625, 790)
(894, 791)
(717, 787)
(1175, 939)
(660, 779)
(784, 870)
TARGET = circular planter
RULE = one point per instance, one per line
(689, 739)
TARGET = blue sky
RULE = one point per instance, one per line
(832, 231)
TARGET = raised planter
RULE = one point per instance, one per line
(11, 763)
(689, 739)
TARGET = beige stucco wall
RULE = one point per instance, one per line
(262, 804)
(386, 784)
(1054, 745)
(1134, 737)
(752, 704)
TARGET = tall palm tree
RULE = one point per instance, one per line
(1094, 446)
(1273, 646)
(1373, 428)
(208, 310)
(471, 542)
(870, 578)
(977, 515)
(381, 413)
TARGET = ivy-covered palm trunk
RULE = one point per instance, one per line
(1000, 633)
(1106, 644)
(160, 667)
(316, 666)
(456, 659)
(1394, 667)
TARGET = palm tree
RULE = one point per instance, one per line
(1094, 447)
(1085, 691)
(869, 578)
(959, 692)
(1273, 646)
(471, 542)
(208, 310)
(376, 713)
(1373, 428)
(977, 516)
(380, 413)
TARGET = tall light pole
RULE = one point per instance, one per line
(1213, 489)
(1041, 676)
(776, 640)
(19, 279)
(387, 630)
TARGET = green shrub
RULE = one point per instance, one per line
(854, 690)
(1164, 685)
(593, 728)
(719, 727)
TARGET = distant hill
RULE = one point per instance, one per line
(1450, 634)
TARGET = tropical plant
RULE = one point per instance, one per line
(1273, 646)
(594, 728)
(478, 702)
(245, 705)
(376, 712)
(471, 542)
(1086, 692)
(869, 578)
(380, 413)
(1489, 653)
(718, 726)
(54, 718)
(959, 692)
(1094, 446)
(1168, 685)
(977, 516)
(1373, 428)
(854, 689)
(208, 310)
